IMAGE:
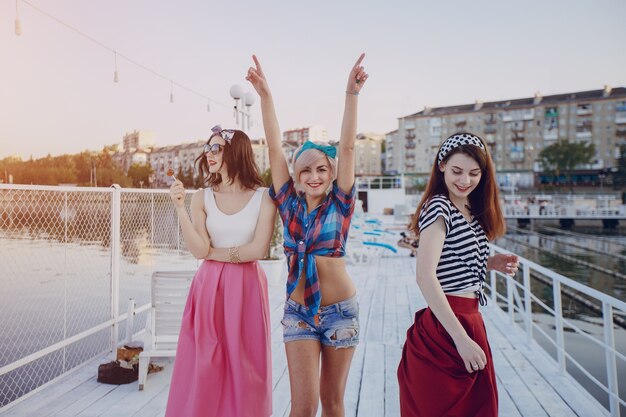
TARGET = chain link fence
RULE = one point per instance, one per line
(70, 258)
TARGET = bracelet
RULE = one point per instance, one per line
(354, 94)
(233, 254)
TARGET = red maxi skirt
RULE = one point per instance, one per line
(432, 377)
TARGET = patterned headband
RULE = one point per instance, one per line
(458, 140)
(226, 134)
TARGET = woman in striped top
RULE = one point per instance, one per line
(446, 355)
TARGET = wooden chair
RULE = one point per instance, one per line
(169, 295)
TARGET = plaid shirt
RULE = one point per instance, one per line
(323, 232)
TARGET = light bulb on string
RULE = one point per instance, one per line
(18, 24)
(171, 91)
(208, 106)
(115, 77)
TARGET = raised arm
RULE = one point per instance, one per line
(428, 254)
(278, 162)
(345, 165)
(194, 230)
(262, 235)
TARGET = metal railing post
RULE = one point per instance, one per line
(66, 212)
(609, 353)
(558, 325)
(116, 211)
(509, 299)
(130, 320)
(528, 307)
(492, 280)
(152, 220)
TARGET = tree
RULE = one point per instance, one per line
(139, 174)
(65, 169)
(277, 235)
(563, 157)
(186, 177)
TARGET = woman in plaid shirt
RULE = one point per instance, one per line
(320, 322)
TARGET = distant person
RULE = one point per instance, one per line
(223, 359)
(408, 242)
(320, 321)
(446, 367)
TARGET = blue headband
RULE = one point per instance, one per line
(328, 150)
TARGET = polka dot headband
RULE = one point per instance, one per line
(458, 140)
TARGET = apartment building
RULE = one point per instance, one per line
(515, 130)
(178, 157)
(368, 149)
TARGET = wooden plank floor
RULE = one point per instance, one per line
(529, 384)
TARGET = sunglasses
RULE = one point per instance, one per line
(214, 149)
(226, 134)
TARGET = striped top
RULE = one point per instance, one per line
(462, 266)
(322, 232)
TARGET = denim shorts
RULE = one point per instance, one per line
(338, 323)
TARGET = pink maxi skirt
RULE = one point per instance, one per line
(223, 359)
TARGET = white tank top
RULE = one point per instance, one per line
(228, 230)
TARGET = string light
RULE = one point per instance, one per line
(18, 31)
(115, 77)
(208, 106)
(18, 24)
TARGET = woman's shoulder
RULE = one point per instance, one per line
(438, 200)
(200, 192)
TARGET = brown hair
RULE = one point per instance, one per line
(484, 199)
(239, 159)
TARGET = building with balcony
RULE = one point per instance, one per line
(298, 136)
(515, 130)
(261, 154)
(392, 153)
(368, 149)
(138, 140)
(178, 157)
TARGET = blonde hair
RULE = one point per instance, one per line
(308, 158)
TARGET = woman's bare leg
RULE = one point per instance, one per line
(303, 360)
(335, 367)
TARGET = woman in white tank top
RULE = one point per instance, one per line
(217, 371)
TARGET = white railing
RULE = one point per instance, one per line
(516, 211)
(382, 182)
(69, 256)
(519, 299)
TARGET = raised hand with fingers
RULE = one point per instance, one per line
(257, 78)
(177, 194)
(357, 77)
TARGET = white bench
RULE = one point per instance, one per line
(169, 295)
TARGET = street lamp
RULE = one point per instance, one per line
(247, 100)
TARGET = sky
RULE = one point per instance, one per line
(57, 93)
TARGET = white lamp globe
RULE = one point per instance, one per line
(236, 91)
(249, 98)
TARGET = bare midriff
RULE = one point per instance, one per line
(465, 295)
(335, 283)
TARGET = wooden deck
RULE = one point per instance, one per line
(529, 385)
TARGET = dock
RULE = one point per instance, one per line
(529, 381)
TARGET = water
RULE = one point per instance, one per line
(52, 290)
(596, 246)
